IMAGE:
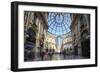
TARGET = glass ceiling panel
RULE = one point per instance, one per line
(59, 23)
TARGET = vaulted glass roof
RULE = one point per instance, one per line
(59, 23)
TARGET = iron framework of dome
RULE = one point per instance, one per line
(59, 23)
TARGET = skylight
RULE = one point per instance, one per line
(59, 23)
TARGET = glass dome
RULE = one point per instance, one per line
(59, 23)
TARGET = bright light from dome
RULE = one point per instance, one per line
(59, 23)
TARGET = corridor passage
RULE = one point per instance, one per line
(58, 57)
(56, 36)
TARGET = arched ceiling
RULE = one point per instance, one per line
(59, 23)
